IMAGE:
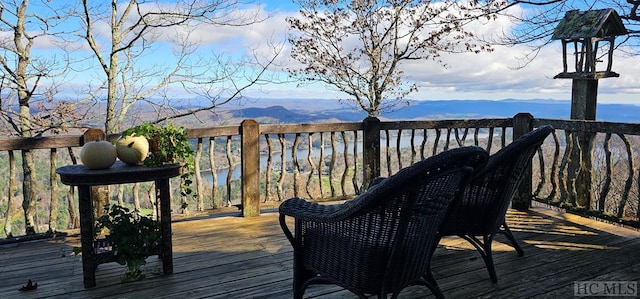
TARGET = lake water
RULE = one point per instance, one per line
(405, 142)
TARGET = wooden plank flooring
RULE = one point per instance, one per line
(234, 257)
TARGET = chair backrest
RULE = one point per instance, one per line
(382, 240)
(416, 200)
(487, 197)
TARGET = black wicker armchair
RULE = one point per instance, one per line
(484, 203)
(381, 241)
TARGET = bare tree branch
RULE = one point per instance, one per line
(27, 104)
(357, 46)
(539, 19)
(135, 28)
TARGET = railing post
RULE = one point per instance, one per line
(371, 150)
(250, 148)
(522, 124)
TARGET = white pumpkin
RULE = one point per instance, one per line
(98, 154)
(132, 149)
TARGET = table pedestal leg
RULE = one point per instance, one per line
(85, 208)
(166, 248)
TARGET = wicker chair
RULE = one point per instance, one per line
(481, 211)
(382, 240)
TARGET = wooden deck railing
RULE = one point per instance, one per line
(591, 167)
(250, 165)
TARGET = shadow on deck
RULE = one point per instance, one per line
(234, 257)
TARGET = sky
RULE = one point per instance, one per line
(493, 76)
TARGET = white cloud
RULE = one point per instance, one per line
(494, 75)
(467, 76)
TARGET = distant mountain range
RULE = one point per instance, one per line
(322, 110)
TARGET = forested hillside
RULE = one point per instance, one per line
(323, 110)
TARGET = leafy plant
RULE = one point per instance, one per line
(132, 237)
(168, 145)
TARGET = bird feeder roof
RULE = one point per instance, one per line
(588, 24)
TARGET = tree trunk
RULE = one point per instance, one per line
(110, 122)
(29, 192)
(28, 164)
(53, 208)
(135, 190)
(11, 187)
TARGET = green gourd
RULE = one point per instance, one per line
(98, 154)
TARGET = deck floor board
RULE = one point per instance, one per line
(234, 257)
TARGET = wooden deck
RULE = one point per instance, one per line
(234, 257)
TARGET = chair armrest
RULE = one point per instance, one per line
(376, 181)
(304, 210)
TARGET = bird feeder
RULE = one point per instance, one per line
(592, 34)
(589, 32)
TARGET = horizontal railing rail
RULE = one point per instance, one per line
(253, 165)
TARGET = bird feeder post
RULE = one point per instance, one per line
(585, 30)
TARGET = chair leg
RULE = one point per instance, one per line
(514, 243)
(298, 286)
(433, 285)
(488, 257)
(484, 248)
(301, 277)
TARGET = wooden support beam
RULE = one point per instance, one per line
(371, 150)
(522, 124)
(250, 168)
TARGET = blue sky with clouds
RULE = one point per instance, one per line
(491, 76)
